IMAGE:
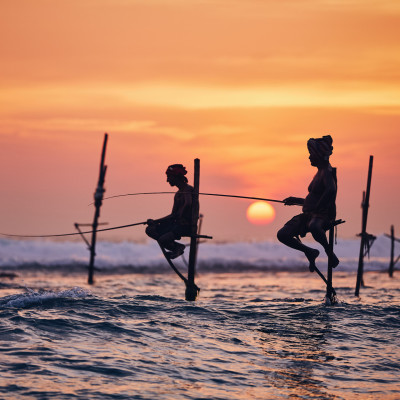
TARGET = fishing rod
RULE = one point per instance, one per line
(75, 233)
(202, 193)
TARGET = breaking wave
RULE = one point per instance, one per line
(147, 257)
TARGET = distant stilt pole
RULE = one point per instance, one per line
(98, 199)
(191, 289)
(392, 239)
(365, 239)
(199, 232)
(365, 207)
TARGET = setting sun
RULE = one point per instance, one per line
(260, 213)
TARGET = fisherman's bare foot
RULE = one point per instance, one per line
(311, 255)
(333, 260)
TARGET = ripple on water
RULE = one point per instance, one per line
(230, 344)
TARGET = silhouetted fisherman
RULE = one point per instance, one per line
(319, 207)
(168, 229)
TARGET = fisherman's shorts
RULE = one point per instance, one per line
(299, 224)
(159, 229)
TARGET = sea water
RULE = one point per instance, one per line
(260, 328)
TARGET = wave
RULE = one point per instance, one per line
(33, 298)
(147, 257)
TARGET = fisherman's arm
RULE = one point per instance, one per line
(293, 201)
(168, 218)
(160, 220)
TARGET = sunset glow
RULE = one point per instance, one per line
(260, 213)
(242, 85)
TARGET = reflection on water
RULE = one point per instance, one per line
(249, 336)
(294, 343)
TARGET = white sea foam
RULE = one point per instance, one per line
(32, 298)
(266, 254)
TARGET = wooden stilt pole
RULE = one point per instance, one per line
(321, 275)
(330, 295)
(98, 198)
(365, 206)
(330, 292)
(391, 265)
(191, 289)
(172, 265)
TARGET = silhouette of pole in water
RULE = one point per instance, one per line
(393, 261)
(364, 235)
(330, 291)
(98, 199)
(329, 288)
(191, 289)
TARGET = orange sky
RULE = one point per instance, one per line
(239, 84)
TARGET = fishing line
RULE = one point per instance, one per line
(141, 223)
(76, 233)
(204, 194)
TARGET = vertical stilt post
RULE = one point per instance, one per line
(98, 199)
(365, 206)
(329, 291)
(391, 265)
(191, 289)
(330, 294)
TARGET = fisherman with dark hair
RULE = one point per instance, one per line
(172, 227)
(319, 207)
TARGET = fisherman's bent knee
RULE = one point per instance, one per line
(282, 235)
(151, 231)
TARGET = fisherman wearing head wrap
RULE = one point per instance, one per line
(172, 227)
(320, 148)
(319, 206)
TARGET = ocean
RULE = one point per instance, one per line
(260, 328)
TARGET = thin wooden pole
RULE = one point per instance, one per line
(98, 199)
(191, 289)
(329, 294)
(329, 289)
(199, 232)
(365, 207)
(391, 265)
(171, 264)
